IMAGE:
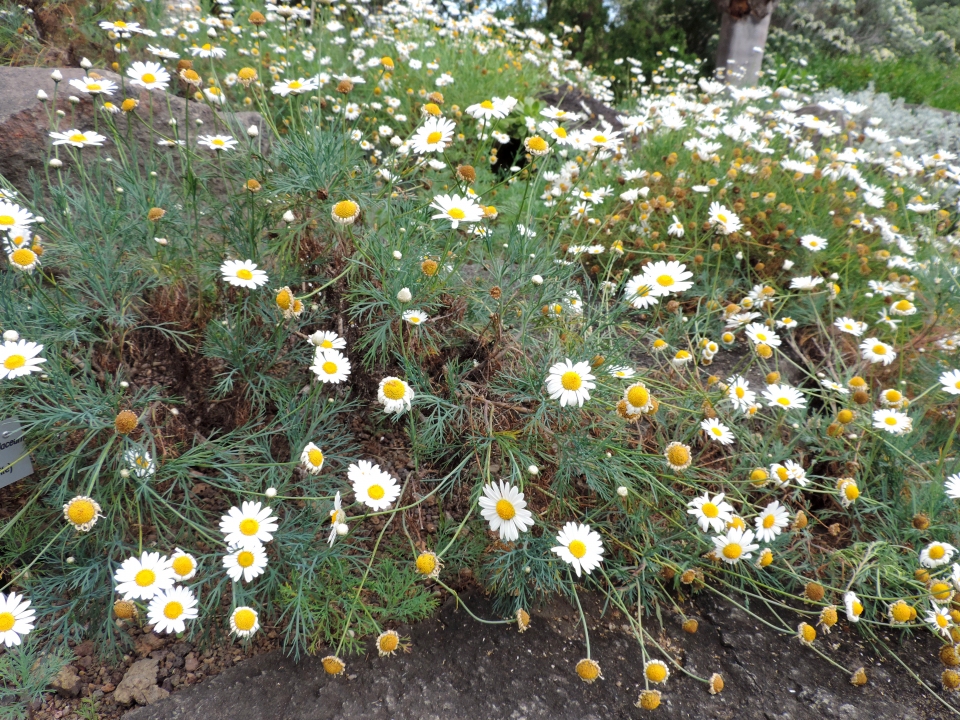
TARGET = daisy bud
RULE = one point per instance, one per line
(71, 560)
(211, 32)
(859, 677)
(342, 529)
(397, 255)
(622, 491)
(11, 335)
(124, 473)
(533, 470)
(86, 64)
(289, 217)
(41, 95)
(253, 131)
(537, 280)
(56, 75)
(271, 492)
(404, 295)
(61, 113)
(74, 99)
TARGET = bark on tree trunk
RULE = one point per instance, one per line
(743, 37)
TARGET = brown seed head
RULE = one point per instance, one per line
(429, 267)
(691, 626)
(861, 397)
(716, 683)
(948, 656)
(124, 610)
(859, 677)
(466, 173)
(496, 292)
(257, 18)
(344, 87)
(126, 422)
(155, 213)
(920, 521)
(814, 591)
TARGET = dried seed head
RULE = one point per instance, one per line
(155, 213)
(716, 683)
(333, 665)
(691, 626)
(950, 679)
(861, 397)
(845, 416)
(921, 521)
(253, 185)
(801, 520)
(344, 87)
(429, 267)
(948, 656)
(125, 422)
(649, 700)
(466, 173)
(257, 18)
(124, 610)
(496, 292)
(859, 677)
(523, 619)
(814, 591)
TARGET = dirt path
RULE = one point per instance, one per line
(461, 670)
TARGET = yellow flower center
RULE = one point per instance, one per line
(284, 299)
(716, 431)
(486, 105)
(599, 138)
(852, 492)
(388, 642)
(145, 578)
(891, 421)
(376, 492)
(638, 396)
(182, 565)
(537, 143)
(456, 213)
(656, 673)
(14, 361)
(505, 509)
(148, 78)
(244, 274)
(879, 350)
(206, 46)
(6, 621)
(80, 511)
(434, 137)
(6, 220)
(326, 344)
(739, 392)
(249, 526)
(329, 367)
(577, 549)
(942, 620)
(710, 510)
(345, 209)
(560, 132)
(93, 87)
(295, 85)
(732, 551)
(901, 612)
(940, 590)
(217, 141)
(244, 619)
(857, 608)
(903, 305)
(768, 522)
(678, 455)
(783, 474)
(394, 389)
(23, 257)
(172, 610)
(785, 401)
(937, 552)
(315, 456)
(893, 396)
(432, 109)
(426, 563)
(120, 24)
(571, 380)
(245, 559)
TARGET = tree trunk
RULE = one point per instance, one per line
(743, 37)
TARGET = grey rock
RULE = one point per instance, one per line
(67, 682)
(25, 144)
(139, 685)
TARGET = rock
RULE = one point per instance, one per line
(84, 649)
(25, 144)
(140, 684)
(190, 663)
(67, 682)
(148, 642)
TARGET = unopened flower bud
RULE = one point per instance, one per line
(404, 295)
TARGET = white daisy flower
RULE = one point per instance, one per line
(18, 358)
(331, 366)
(724, 218)
(217, 142)
(79, 139)
(503, 506)
(16, 618)
(950, 382)
(639, 293)
(936, 554)
(312, 459)
(373, 487)
(183, 565)
(249, 524)
(246, 562)
(338, 520)
(761, 334)
(327, 340)
(784, 397)
(395, 395)
(243, 273)
(893, 421)
(951, 486)
(716, 430)
(621, 371)
(432, 136)
(13, 216)
(415, 317)
(140, 462)
(170, 608)
(666, 277)
(771, 521)
(94, 86)
(805, 282)
(142, 578)
(207, 51)
(295, 87)
(244, 621)
(853, 606)
(735, 545)
(119, 26)
(739, 393)
(711, 513)
(570, 383)
(877, 352)
(149, 75)
(579, 546)
(456, 209)
(939, 620)
(813, 243)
